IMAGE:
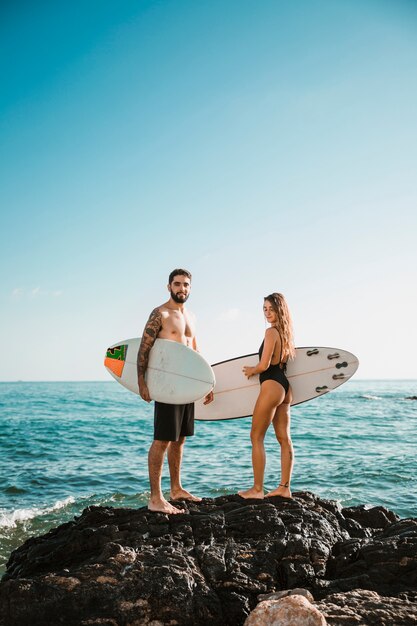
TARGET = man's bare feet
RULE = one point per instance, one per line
(281, 490)
(251, 493)
(182, 494)
(160, 505)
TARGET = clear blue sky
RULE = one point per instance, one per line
(264, 145)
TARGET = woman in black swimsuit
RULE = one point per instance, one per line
(273, 403)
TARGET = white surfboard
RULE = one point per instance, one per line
(314, 372)
(176, 374)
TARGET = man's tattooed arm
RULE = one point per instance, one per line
(152, 328)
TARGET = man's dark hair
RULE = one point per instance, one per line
(178, 272)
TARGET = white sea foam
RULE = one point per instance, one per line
(11, 519)
(61, 504)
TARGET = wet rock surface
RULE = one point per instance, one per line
(210, 564)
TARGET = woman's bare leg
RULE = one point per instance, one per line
(270, 396)
(281, 423)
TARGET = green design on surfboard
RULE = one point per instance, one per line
(118, 352)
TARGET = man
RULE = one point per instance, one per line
(172, 422)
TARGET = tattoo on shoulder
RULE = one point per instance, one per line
(154, 323)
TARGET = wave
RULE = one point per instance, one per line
(19, 517)
(370, 397)
(11, 519)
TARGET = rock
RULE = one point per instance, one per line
(387, 563)
(368, 608)
(377, 517)
(208, 565)
(293, 610)
(288, 592)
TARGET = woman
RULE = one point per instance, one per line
(273, 403)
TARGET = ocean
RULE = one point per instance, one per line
(67, 445)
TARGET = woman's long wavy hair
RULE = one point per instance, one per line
(283, 324)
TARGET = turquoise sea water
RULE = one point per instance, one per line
(65, 446)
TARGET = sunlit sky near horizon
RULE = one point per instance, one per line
(265, 146)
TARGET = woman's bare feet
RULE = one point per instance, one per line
(160, 505)
(182, 494)
(251, 493)
(282, 490)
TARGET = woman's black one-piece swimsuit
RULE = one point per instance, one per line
(274, 372)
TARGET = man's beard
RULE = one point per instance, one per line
(179, 299)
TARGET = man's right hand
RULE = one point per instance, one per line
(144, 392)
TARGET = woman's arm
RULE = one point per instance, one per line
(271, 338)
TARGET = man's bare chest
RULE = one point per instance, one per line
(177, 323)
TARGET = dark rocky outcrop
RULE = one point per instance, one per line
(208, 565)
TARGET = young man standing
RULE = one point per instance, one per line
(172, 422)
